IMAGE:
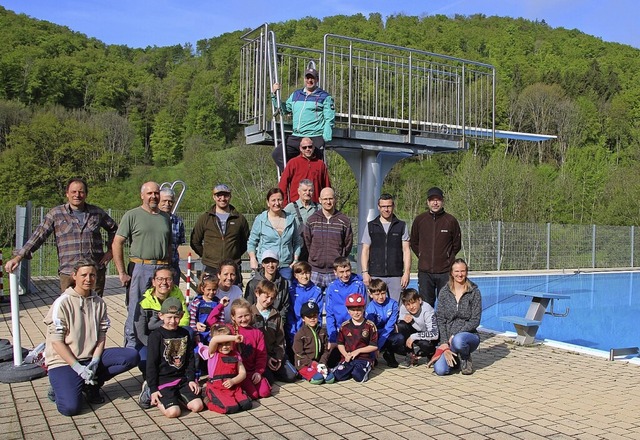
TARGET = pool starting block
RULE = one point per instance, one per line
(541, 304)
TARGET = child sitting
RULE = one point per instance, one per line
(170, 363)
(383, 312)
(252, 350)
(418, 327)
(301, 292)
(357, 340)
(311, 347)
(223, 393)
(337, 293)
(269, 322)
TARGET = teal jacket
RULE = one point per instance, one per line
(263, 236)
(314, 114)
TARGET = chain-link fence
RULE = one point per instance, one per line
(485, 245)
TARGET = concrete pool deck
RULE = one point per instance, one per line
(517, 392)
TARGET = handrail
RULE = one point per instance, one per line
(276, 118)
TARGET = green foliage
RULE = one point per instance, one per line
(71, 105)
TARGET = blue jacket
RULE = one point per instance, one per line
(336, 311)
(298, 295)
(313, 114)
(263, 236)
(384, 316)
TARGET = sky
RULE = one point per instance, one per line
(142, 23)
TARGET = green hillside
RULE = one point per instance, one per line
(71, 105)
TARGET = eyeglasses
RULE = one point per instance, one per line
(163, 280)
(306, 147)
(222, 195)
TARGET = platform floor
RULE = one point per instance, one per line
(527, 393)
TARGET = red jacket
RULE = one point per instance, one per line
(300, 168)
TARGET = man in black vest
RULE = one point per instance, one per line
(386, 253)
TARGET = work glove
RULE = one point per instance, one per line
(84, 372)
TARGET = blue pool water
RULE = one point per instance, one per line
(603, 309)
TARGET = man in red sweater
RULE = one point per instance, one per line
(305, 166)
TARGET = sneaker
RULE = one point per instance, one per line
(51, 394)
(407, 362)
(330, 378)
(391, 359)
(92, 394)
(145, 396)
(466, 366)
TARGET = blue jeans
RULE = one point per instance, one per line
(286, 272)
(68, 386)
(430, 285)
(463, 344)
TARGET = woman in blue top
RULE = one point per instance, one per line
(276, 230)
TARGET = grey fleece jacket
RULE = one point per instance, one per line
(454, 317)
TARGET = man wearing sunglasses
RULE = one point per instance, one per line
(313, 114)
(305, 166)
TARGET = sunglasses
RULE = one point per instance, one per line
(306, 147)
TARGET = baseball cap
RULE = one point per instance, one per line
(312, 72)
(435, 192)
(221, 188)
(171, 305)
(354, 300)
(309, 308)
(270, 254)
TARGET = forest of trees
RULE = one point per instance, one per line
(72, 105)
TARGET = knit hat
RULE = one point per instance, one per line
(171, 305)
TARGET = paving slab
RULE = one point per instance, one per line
(516, 392)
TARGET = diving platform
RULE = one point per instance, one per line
(391, 102)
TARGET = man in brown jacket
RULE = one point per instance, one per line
(435, 239)
(220, 234)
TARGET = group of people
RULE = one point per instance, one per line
(243, 341)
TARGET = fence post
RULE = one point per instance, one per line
(499, 244)
(632, 243)
(548, 245)
(593, 246)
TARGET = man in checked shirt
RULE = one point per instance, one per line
(76, 226)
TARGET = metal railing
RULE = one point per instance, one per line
(376, 86)
(486, 246)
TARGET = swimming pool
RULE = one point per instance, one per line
(603, 309)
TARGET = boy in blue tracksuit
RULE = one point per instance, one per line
(383, 312)
(302, 291)
(336, 295)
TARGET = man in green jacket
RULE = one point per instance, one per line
(220, 234)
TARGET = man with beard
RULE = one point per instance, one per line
(148, 231)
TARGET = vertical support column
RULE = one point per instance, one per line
(23, 231)
(632, 243)
(593, 246)
(548, 245)
(499, 245)
(370, 167)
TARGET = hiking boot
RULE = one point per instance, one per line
(92, 394)
(407, 362)
(391, 359)
(51, 394)
(145, 396)
(466, 366)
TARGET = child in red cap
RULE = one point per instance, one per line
(357, 342)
